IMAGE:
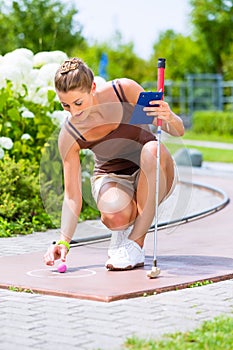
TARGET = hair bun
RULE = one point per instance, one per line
(69, 65)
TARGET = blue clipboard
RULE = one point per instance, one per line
(139, 116)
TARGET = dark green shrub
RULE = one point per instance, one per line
(21, 208)
(213, 122)
(52, 186)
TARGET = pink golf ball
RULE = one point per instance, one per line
(62, 268)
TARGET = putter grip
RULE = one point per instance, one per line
(160, 81)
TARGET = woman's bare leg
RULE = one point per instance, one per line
(117, 206)
(146, 188)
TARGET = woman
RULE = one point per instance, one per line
(123, 183)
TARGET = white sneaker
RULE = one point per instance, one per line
(117, 240)
(126, 257)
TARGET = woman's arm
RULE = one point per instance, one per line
(72, 202)
(171, 123)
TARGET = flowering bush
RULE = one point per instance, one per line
(30, 113)
(29, 108)
(23, 68)
(28, 103)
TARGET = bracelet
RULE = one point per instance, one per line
(66, 244)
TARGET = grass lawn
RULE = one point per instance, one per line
(190, 135)
(211, 335)
(209, 154)
(214, 154)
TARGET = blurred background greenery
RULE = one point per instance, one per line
(198, 86)
(48, 25)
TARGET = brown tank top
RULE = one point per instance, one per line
(119, 151)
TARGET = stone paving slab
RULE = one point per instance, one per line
(90, 325)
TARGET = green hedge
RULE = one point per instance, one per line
(213, 122)
(21, 207)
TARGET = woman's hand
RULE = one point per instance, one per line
(171, 123)
(159, 109)
(55, 252)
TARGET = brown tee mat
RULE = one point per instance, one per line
(198, 251)
(87, 278)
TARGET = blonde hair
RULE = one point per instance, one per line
(74, 74)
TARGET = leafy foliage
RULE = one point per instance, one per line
(21, 207)
(213, 122)
(122, 61)
(213, 22)
(183, 55)
(43, 25)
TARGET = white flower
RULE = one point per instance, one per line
(30, 78)
(16, 66)
(99, 81)
(39, 95)
(59, 116)
(22, 62)
(45, 76)
(44, 57)
(1, 153)
(10, 72)
(6, 142)
(24, 52)
(25, 137)
(27, 114)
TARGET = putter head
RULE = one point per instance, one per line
(155, 271)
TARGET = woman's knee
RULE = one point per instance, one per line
(115, 221)
(113, 199)
(149, 151)
(149, 155)
(118, 216)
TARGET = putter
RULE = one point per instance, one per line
(155, 271)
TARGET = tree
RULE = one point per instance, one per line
(39, 25)
(183, 55)
(122, 61)
(213, 23)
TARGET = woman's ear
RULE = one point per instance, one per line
(93, 88)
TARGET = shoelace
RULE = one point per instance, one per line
(122, 252)
(118, 241)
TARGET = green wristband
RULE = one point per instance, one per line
(66, 244)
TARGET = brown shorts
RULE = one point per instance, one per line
(130, 182)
